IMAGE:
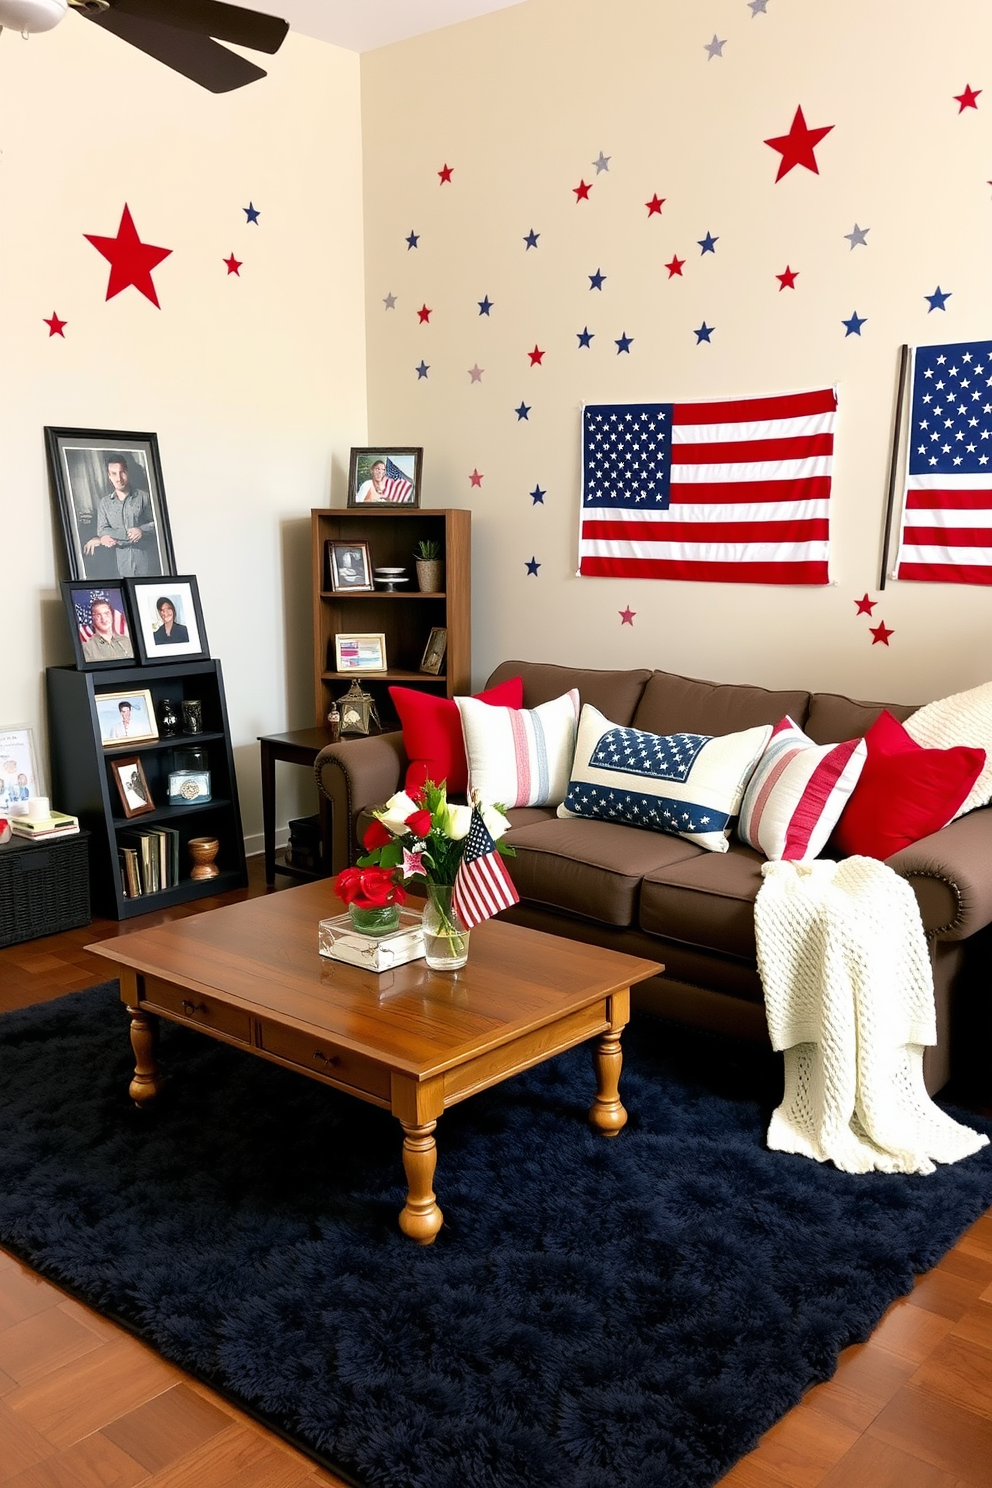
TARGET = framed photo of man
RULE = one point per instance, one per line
(99, 624)
(126, 717)
(168, 621)
(385, 477)
(111, 500)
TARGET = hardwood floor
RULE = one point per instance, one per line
(85, 1405)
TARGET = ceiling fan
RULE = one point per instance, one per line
(184, 34)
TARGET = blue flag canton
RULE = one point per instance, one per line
(627, 456)
(479, 842)
(661, 756)
(656, 813)
(951, 426)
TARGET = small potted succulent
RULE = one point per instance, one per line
(430, 566)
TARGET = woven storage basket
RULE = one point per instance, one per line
(44, 887)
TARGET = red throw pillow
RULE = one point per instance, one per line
(432, 732)
(905, 792)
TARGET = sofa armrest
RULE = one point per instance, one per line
(951, 874)
(353, 776)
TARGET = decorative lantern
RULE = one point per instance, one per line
(358, 710)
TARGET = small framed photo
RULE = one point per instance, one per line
(99, 623)
(20, 778)
(168, 621)
(360, 653)
(126, 717)
(350, 566)
(132, 785)
(111, 499)
(437, 643)
(385, 477)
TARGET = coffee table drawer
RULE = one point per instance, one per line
(320, 1056)
(194, 1007)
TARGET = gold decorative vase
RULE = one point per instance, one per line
(203, 850)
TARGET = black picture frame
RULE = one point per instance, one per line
(157, 642)
(99, 623)
(80, 461)
(399, 465)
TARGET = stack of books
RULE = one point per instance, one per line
(41, 828)
(148, 859)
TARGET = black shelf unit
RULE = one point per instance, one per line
(82, 782)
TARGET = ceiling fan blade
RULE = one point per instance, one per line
(247, 28)
(197, 57)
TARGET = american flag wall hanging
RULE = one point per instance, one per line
(736, 491)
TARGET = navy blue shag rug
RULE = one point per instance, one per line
(636, 1311)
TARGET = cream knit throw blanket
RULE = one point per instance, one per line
(849, 998)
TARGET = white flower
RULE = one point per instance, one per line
(494, 819)
(395, 812)
(455, 821)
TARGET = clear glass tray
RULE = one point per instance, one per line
(338, 939)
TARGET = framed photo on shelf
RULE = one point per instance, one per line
(385, 477)
(437, 643)
(20, 777)
(168, 621)
(99, 624)
(360, 653)
(126, 717)
(111, 501)
(349, 566)
(135, 796)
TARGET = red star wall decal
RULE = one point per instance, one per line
(967, 99)
(55, 326)
(131, 261)
(445, 174)
(234, 265)
(536, 356)
(879, 633)
(675, 267)
(475, 479)
(796, 147)
(655, 205)
(582, 191)
(865, 605)
(787, 280)
(627, 616)
(424, 314)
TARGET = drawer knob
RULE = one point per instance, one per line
(321, 1058)
(189, 1008)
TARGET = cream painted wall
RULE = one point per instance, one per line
(254, 383)
(521, 104)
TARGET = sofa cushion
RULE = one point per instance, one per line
(672, 704)
(614, 693)
(833, 717)
(432, 733)
(797, 793)
(905, 792)
(688, 785)
(520, 756)
(707, 903)
(963, 718)
(589, 868)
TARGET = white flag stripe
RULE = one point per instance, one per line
(981, 482)
(813, 423)
(971, 557)
(724, 511)
(943, 516)
(752, 470)
(739, 552)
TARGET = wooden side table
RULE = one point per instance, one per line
(298, 747)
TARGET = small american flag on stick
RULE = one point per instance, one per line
(482, 885)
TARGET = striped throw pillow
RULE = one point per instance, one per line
(520, 756)
(797, 793)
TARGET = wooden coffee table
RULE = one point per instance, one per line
(412, 1040)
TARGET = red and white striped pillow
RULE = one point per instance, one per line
(797, 793)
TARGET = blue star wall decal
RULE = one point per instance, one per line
(707, 244)
(422, 370)
(485, 305)
(523, 411)
(412, 240)
(624, 343)
(251, 212)
(537, 495)
(531, 238)
(854, 324)
(704, 333)
(585, 336)
(533, 566)
(937, 299)
(596, 280)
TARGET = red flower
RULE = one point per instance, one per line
(376, 835)
(368, 888)
(419, 823)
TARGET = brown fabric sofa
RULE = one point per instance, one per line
(665, 898)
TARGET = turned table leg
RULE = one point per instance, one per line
(420, 1218)
(147, 1081)
(607, 1113)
